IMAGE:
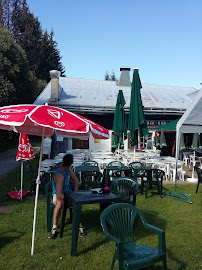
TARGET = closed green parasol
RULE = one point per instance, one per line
(195, 142)
(156, 140)
(137, 119)
(162, 140)
(120, 122)
(182, 144)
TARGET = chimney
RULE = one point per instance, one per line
(54, 74)
(125, 77)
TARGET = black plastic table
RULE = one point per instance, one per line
(79, 198)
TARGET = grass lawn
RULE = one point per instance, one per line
(181, 221)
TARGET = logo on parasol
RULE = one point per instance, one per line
(59, 124)
(55, 113)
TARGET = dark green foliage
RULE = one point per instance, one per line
(17, 83)
(113, 76)
(110, 77)
(40, 48)
(107, 75)
(49, 57)
(5, 13)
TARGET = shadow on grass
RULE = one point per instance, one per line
(90, 220)
(7, 240)
(153, 191)
(180, 263)
(94, 246)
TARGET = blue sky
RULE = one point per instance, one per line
(162, 38)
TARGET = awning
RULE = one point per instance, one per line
(170, 126)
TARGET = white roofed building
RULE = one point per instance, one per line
(96, 99)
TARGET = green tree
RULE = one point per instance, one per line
(107, 76)
(41, 48)
(27, 32)
(49, 57)
(113, 76)
(17, 84)
(5, 13)
(110, 77)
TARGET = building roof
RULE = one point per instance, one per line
(89, 95)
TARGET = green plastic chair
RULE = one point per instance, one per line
(33, 176)
(50, 205)
(125, 188)
(199, 174)
(156, 179)
(136, 173)
(115, 163)
(45, 178)
(91, 179)
(89, 163)
(115, 173)
(120, 218)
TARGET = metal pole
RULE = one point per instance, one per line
(21, 178)
(37, 193)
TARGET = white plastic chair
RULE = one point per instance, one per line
(186, 159)
(180, 172)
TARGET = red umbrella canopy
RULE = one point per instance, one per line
(17, 194)
(34, 119)
(44, 121)
(25, 151)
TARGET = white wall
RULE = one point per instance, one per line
(104, 145)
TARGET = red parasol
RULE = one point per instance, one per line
(44, 121)
(17, 194)
(25, 152)
(38, 120)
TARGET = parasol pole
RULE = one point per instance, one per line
(193, 165)
(138, 144)
(134, 153)
(21, 179)
(118, 150)
(37, 192)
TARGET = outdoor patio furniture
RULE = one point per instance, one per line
(80, 198)
(199, 174)
(47, 164)
(136, 169)
(91, 179)
(154, 177)
(186, 159)
(120, 218)
(89, 163)
(180, 172)
(164, 167)
(126, 188)
(50, 205)
(114, 170)
(89, 175)
(33, 175)
(194, 160)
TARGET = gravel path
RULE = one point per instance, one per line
(8, 159)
